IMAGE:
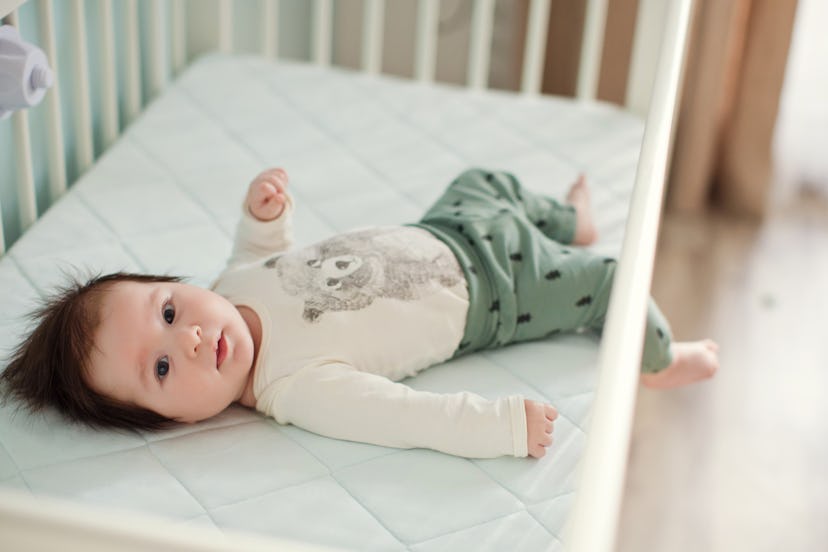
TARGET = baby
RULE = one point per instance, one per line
(319, 337)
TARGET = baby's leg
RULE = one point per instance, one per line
(482, 194)
(563, 289)
(692, 362)
(666, 363)
(556, 220)
(580, 198)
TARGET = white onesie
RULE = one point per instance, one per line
(343, 320)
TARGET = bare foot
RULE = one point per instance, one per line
(579, 197)
(693, 361)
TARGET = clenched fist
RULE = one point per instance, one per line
(266, 197)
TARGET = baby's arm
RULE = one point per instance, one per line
(265, 226)
(339, 401)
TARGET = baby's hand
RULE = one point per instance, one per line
(539, 418)
(266, 196)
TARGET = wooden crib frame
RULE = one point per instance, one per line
(29, 522)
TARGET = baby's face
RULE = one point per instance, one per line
(182, 351)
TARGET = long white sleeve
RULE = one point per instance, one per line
(256, 239)
(336, 400)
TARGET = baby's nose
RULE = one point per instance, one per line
(192, 339)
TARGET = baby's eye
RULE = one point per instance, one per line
(169, 313)
(162, 367)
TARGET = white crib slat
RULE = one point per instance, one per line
(158, 47)
(322, 19)
(25, 175)
(428, 17)
(591, 50)
(481, 44)
(594, 519)
(225, 26)
(372, 35)
(179, 35)
(23, 146)
(109, 97)
(133, 61)
(648, 31)
(57, 162)
(534, 50)
(270, 28)
(83, 111)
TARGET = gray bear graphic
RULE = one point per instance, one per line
(349, 271)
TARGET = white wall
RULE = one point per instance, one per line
(801, 135)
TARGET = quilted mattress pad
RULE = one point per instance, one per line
(360, 150)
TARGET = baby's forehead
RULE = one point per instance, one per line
(143, 287)
(122, 289)
(127, 299)
(117, 339)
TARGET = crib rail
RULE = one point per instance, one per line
(595, 514)
(48, 523)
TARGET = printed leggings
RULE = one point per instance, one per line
(525, 280)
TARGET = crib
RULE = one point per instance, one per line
(182, 130)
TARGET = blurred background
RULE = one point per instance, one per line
(739, 463)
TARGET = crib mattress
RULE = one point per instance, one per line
(360, 150)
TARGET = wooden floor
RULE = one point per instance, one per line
(739, 463)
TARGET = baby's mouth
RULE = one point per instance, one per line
(221, 351)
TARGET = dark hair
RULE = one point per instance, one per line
(49, 368)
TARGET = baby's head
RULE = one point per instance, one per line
(133, 351)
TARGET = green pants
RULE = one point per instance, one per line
(525, 282)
